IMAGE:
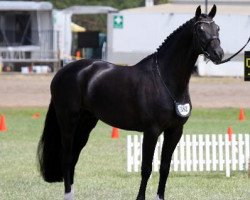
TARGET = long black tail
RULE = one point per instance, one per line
(49, 148)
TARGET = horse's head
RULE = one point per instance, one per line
(206, 35)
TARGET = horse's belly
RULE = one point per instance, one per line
(121, 116)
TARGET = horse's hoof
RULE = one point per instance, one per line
(158, 198)
(68, 196)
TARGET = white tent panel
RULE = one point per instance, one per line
(62, 27)
(145, 32)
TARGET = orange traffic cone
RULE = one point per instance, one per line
(230, 133)
(242, 115)
(115, 133)
(3, 126)
(36, 116)
(78, 55)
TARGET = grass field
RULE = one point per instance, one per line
(101, 170)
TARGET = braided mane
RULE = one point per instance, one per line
(172, 36)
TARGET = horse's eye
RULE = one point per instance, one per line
(218, 28)
(202, 28)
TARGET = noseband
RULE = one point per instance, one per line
(204, 48)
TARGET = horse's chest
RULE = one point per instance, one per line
(168, 114)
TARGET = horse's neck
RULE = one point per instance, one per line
(176, 62)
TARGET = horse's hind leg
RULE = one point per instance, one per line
(85, 124)
(68, 121)
(75, 127)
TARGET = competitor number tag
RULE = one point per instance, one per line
(183, 110)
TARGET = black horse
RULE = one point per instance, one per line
(151, 97)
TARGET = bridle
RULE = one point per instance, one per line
(204, 47)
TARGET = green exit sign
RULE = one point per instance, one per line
(118, 21)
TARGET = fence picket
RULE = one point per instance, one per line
(176, 158)
(136, 153)
(247, 143)
(182, 156)
(240, 153)
(156, 158)
(201, 161)
(207, 146)
(221, 149)
(188, 154)
(234, 149)
(141, 141)
(214, 145)
(129, 154)
(227, 156)
(194, 150)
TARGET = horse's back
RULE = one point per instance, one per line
(65, 87)
(80, 81)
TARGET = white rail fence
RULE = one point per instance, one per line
(196, 153)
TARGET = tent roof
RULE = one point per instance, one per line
(25, 6)
(189, 8)
(89, 10)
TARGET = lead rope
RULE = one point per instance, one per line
(228, 59)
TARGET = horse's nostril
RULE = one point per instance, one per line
(218, 53)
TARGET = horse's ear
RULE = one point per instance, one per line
(212, 12)
(198, 12)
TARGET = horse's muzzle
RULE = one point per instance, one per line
(217, 55)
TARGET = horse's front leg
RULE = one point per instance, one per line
(149, 143)
(171, 139)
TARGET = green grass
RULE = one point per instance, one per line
(101, 170)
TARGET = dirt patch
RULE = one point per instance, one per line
(24, 90)
(33, 90)
(220, 92)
